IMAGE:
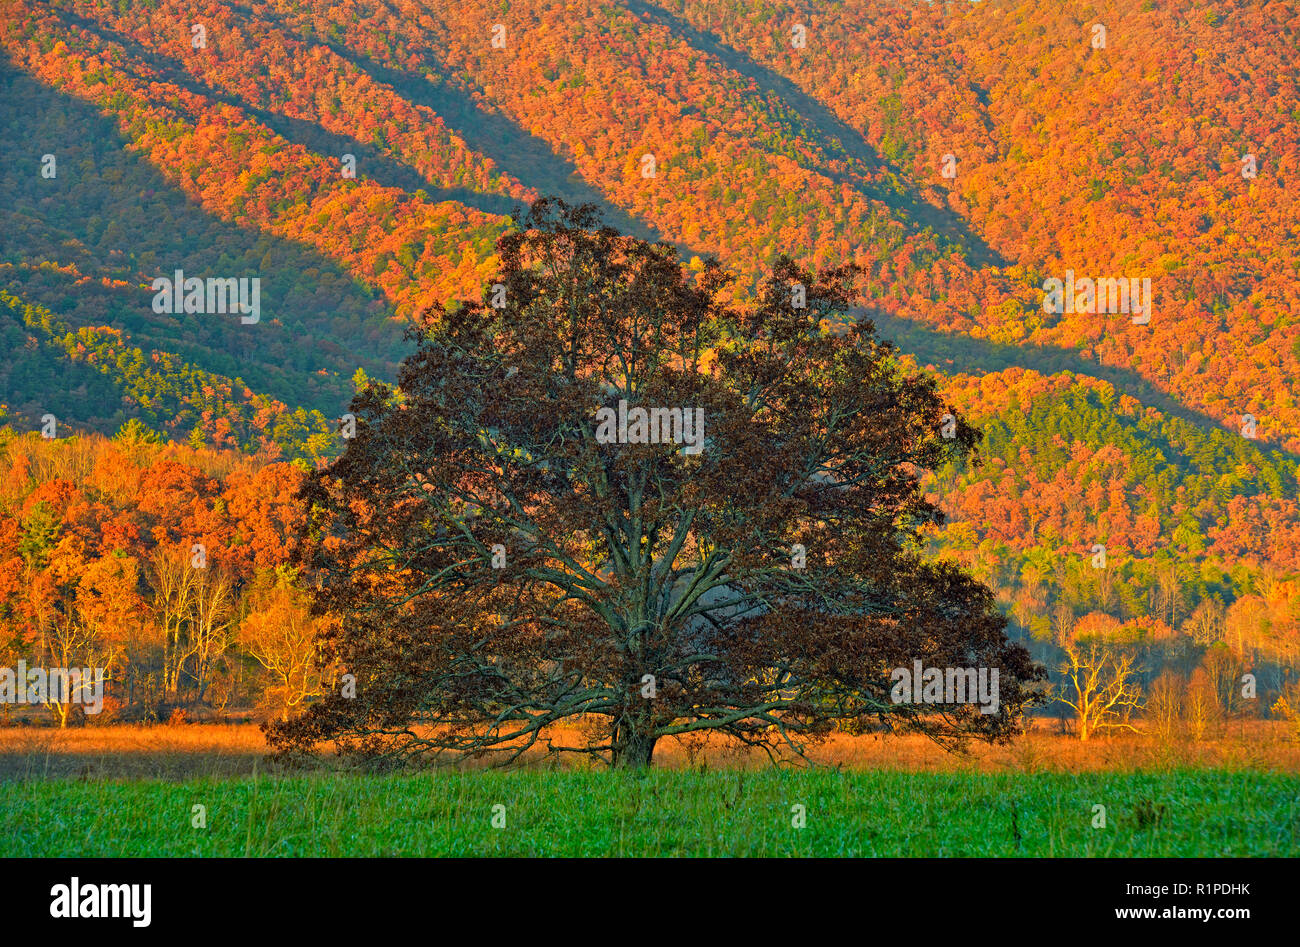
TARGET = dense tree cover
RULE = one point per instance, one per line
(93, 378)
(162, 563)
(1117, 160)
(1109, 161)
(1198, 528)
(89, 241)
(1068, 455)
(406, 245)
(736, 172)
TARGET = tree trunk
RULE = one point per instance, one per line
(634, 745)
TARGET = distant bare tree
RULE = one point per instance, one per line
(1223, 669)
(174, 581)
(1201, 704)
(210, 627)
(1100, 685)
(1165, 704)
(1168, 593)
(1062, 621)
(1205, 624)
(1106, 586)
(280, 633)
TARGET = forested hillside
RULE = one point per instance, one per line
(360, 158)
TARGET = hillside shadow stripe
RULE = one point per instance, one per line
(823, 120)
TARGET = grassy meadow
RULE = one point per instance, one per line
(664, 813)
(130, 791)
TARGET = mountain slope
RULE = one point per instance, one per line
(741, 128)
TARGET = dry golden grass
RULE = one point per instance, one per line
(129, 751)
(194, 750)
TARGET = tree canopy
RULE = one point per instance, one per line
(498, 567)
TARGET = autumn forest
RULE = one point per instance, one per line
(1136, 483)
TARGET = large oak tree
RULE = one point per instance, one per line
(498, 568)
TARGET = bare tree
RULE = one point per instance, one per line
(65, 641)
(1165, 704)
(1063, 619)
(61, 636)
(1201, 706)
(1101, 687)
(212, 617)
(1169, 595)
(175, 584)
(280, 633)
(1106, 585)
(1205, 624)
(1223, 671)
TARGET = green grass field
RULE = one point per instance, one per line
(864, 813)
